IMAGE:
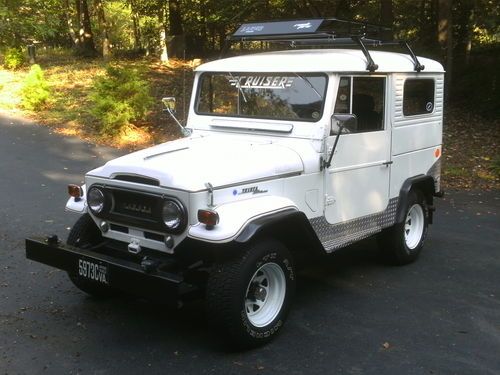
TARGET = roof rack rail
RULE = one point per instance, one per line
(332, 32)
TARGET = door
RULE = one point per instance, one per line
(357, 182)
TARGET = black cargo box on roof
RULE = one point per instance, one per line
(324, 32)
(278, 28)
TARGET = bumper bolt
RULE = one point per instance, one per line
(52, 240)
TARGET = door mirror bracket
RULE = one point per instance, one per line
(340, 121)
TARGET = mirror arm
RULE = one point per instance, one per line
(326, 164)
(185, 131)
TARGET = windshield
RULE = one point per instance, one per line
(277, 96)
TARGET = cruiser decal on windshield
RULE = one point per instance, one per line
(261, 82)
(276, 96)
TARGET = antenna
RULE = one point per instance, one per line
(184, 88)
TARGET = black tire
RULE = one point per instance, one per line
(229, 294)
(86, 234)
(396, 245)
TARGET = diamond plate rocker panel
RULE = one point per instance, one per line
(336, 236)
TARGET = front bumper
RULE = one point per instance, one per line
(127, 276)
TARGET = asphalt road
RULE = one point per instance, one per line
(352, 314)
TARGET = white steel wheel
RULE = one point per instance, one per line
(414, 226)
(265, 294)
(402, 243)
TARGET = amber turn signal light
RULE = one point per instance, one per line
(208, 217)
(75, 191)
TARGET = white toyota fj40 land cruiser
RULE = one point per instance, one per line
(289, 153)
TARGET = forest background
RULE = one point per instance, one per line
(101, 66)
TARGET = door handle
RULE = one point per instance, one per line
(387, 163)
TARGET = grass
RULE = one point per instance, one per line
(454, 171)
(471, 158)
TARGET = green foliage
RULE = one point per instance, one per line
(119, 98)
(35, 92)
(22, 21)
(13, 58)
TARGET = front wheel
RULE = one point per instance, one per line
(248, 298)
(403, 243)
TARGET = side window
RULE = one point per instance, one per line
(418, 97)
(364, 97)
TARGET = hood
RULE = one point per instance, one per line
(189, 163)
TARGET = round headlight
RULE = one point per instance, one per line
(172, 214)
(95, 199)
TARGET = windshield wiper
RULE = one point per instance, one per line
(310, 85)
(237, 84)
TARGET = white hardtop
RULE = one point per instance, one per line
(319, 60)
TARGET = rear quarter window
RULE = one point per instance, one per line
(418, 96)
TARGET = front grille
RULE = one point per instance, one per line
(137, 209)
(136, 204)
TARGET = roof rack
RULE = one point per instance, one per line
(332, 32)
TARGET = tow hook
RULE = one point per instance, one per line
(134, 246)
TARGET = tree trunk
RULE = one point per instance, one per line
(175, 17)
(445, 37)
(387, 18)
(137, 29)
(177, 41)
(464, 22)
(69, 14)
(203, 31)
(106, 52)
(85, 46)
(163, 35)
(427, 24)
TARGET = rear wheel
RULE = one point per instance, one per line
(402, 243)
(86, 234)
(248, 298)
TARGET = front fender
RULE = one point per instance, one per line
(78, 206)
(235, 216)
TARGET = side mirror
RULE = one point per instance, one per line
(347, 122)
(341, 123)
(169, 103)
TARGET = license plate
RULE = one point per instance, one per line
(94, 271)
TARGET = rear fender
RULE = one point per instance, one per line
(423, 183)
